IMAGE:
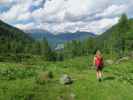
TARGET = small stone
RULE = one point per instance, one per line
(65, 79)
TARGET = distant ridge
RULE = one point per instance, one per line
(60, 38)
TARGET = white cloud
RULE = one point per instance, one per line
(103, 24)
(25, 16)
(114, 10)
(68, 15)
(37, 2)
(15, 11)
(25, 26)
(3, 1)
(95, 15)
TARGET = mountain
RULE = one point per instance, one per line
(60, 38)
(9, 31)
(118, 38)
(12, 39)
(113, 32)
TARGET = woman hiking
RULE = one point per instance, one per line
(98, 62)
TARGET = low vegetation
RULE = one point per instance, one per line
(41, 81)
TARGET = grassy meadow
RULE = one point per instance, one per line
(21, 81)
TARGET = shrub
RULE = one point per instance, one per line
(12, 73)
(43, 77)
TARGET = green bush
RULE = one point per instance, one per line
(12, 73)
(44, 77)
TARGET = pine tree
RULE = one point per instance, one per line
(45, 49)
(123, 26)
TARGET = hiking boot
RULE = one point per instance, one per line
(99, 79)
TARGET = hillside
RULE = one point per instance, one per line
(118, 38)
(60, 38)
(113, 31)
(9, 31)
(12, 40)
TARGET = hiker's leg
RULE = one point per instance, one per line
(100, 74)
(97, 74)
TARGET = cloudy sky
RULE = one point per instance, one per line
(64, 15)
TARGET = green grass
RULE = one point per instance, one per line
(117, 83)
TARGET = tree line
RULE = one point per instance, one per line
(15, 45)
(118, 40)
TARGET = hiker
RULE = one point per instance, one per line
(98, 62)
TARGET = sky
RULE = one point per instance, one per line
(58, 16)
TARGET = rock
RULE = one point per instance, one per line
(65, 79)
(109, 62)
(125, 58)
(122, 59)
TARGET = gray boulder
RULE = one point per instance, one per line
(65, 79)
(122, 60)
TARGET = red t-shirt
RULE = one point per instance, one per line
(99, 61)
